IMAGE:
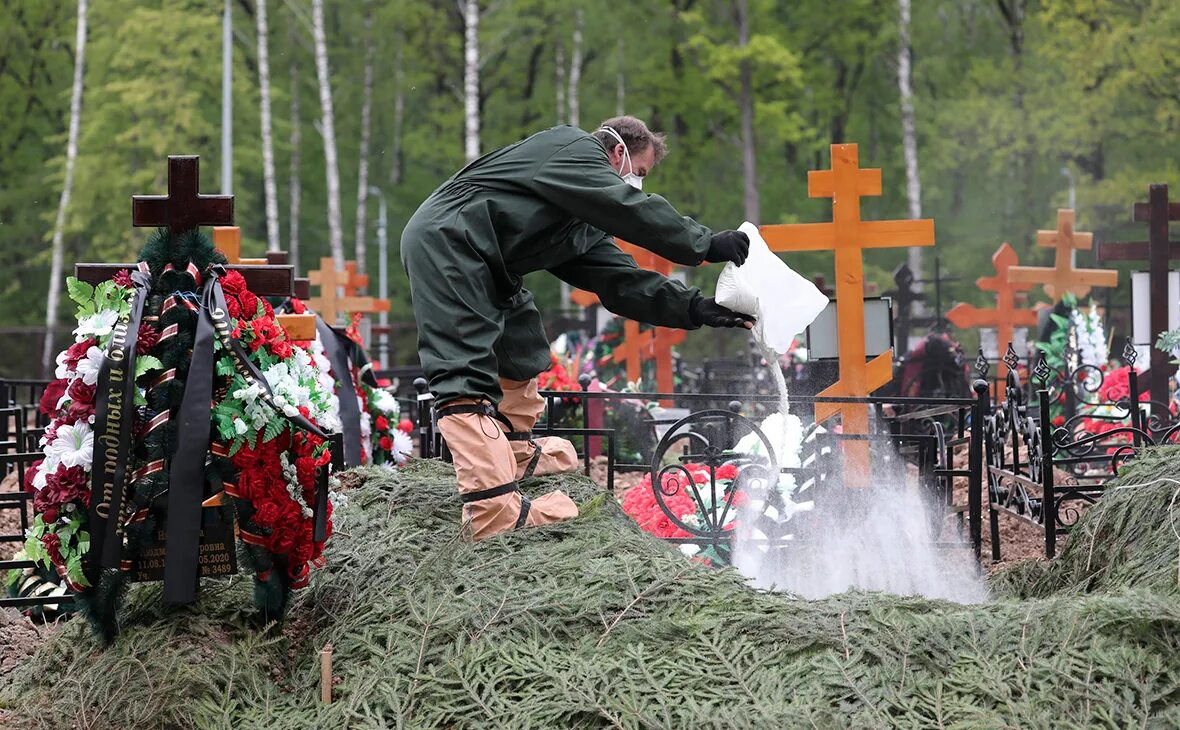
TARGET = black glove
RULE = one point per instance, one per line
(705, 311)
(728, 246)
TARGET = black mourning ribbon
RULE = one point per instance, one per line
(114, 418)
(350, 412)
(187, 478)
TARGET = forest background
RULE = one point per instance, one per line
(1014, 102)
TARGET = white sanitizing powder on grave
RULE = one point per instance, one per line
(881, 538)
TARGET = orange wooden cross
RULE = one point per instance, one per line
(1005, 317)
(848, 236)
(644, 258)
(354, 283)
(655, 343)
(328, 304)
(228, 239)
(1064, 277)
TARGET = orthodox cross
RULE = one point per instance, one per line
(1063, 276)
(228, 240)
(848, 236)
(328, 304)
(183, 209)
(1005, 317)
(643, 258)
(638, 346)
(1157, 250)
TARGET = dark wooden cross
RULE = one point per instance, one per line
(1157, 250)
(184, 209)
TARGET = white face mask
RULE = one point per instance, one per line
(630, 178)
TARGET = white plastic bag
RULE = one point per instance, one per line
(783, 302)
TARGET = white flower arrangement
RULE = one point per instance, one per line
(1090, 337)
(291, 477)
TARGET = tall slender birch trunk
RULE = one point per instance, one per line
(58, 245)
(621, 84)
(746, 103)
(293, 184)
(362, 176)
(575, 71)
(396, 168)
(913, 183)
(328, 130)
(471, 79)
(559, 80)
(268, 153)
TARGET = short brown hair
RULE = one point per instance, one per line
(635, 135)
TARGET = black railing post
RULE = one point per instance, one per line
(584, 380)
(1048, 498)
(975, 467)
(425, 418)
(1136, 415)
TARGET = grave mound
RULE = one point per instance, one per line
(593, 623)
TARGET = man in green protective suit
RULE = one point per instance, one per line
(553, 201)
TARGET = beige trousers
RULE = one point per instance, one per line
(486, 470)
(523, 406)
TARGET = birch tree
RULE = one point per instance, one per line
(575, 77)
(559, 80)
(268, 155)
(913, 184)
(328, 131)
(470, 79)
(67, 187)
(362, 182)
(746, 103)
(294, 189)
(621, 84)
(396, 168)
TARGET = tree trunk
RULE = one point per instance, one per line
(362, 181)
(909, 132)
(559, 80)
(295, 191)
(746, 101)
(471, 79)
(575, 71)
(268, 152)
(67, 187)
(328, 130)
(396, 169)
(621, 84)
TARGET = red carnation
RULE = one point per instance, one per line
(233, 283)
(381, 424)
(147, 339)
(31, 474)
(297, 305)
(281, 349)
(80, 392)
(53, 393)
(386, 443)
(1058, 420)
(405, 425)
(78, 350)
(122, 278)
(52, 545)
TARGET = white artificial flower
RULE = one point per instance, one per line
(73, 446)
(89, 366)
(96, 325)
(61, 371)
(240, 427)
(403, 446)
(386, 402)
(42, 474)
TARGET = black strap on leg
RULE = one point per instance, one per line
(528, 471)
(489, 493)
(483, 409)
(519, 435)
(525, 503)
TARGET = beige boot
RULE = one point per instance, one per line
(534, 456)
(486, 471)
